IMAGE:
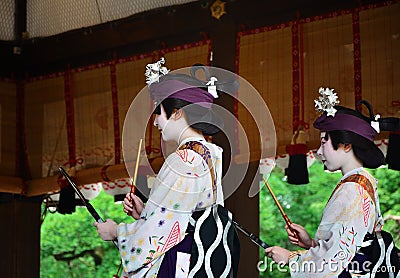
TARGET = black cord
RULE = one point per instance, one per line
(98, 9)
(116, 275)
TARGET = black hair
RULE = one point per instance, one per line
(360, 145)
(198, 117)
(365, 150)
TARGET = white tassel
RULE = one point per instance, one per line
(212, 88)
(375, 124)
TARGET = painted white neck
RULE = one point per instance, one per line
(351, 165)
(189, 132)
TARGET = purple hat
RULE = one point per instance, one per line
(209, 123)
(353, 121)
(172, 88)
(349, 122)
(338, 118)
(187, 88)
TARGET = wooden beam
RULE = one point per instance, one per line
(12, 185)
(86, 176)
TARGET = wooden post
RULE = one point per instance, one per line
(245, 210)
(20, 236)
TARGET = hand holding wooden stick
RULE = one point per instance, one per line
(284, 215)
(133, 180)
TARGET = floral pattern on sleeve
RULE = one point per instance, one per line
(348, 216)
(182, 185)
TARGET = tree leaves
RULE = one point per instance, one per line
(304, 205)
(70, 243)
(75, 235)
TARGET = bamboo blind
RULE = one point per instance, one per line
(327, 48)
(380, 58)
(265, 61)
(327, 59)
(94, 130)
(45, 126)
(48, 126)
(328, 62)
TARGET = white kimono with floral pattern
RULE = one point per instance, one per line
(348, 216)
(182, 185)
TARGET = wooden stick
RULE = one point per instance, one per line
(284, 215)
(133, 185)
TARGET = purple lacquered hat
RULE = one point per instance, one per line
(336, 117)
(343, 121)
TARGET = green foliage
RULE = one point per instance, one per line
(74, 234)
(389, 197)
(304, 205)
(65, 236)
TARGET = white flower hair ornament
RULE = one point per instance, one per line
(154, 71)
(326, 101)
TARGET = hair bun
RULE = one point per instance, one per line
(230, 85)
(389, 124)
(369, 106)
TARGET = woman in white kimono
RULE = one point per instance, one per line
(159, 243)
(352, 212)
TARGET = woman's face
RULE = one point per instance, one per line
(161, 122)
(171, 129)
(331, 158)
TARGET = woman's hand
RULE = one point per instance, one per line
(133, 205)
(278, 254)
(302, 239)
(107, 230)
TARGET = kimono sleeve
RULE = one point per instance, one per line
(347, 217)
(175, 195)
